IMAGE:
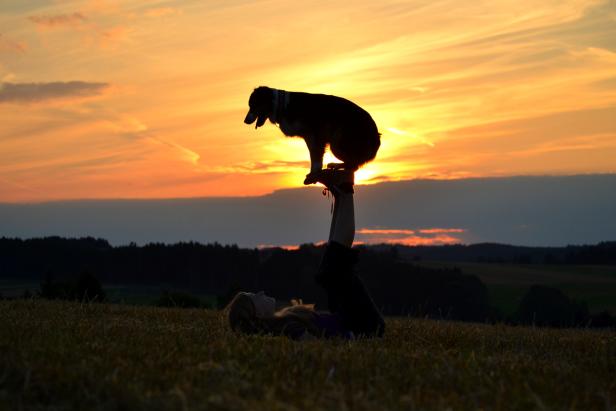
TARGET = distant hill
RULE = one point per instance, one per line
(602, 253)
(534, 211)
(30, 258)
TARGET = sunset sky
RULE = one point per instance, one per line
(145, 99)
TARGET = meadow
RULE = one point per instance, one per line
(67, 355)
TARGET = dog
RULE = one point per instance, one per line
(321, 120)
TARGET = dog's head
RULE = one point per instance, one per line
(260, 106)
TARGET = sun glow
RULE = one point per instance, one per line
(364, 175)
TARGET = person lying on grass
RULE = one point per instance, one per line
(352, 313)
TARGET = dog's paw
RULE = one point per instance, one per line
(311, 178)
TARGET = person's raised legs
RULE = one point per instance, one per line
(347, 295)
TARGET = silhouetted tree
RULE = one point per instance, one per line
(179, 299)
(542, 305)
(52, 289)
(87, 288)
(602, 320)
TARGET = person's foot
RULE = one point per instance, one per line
(336, 180)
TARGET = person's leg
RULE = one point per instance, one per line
(347, 295)
(342, 228)
(332, 225)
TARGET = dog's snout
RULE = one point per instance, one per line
(250, 118)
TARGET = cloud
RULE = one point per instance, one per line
(289, 247)
(413, 240)
(186, 154)
(424, 236)
(502, 144)
(161, 11)
(270, 166)
(382, 231)
(38, 92)
(59, 20)
(112, 36)
(261, 167)
(441, 230)
(538, 211)
(94, 33)
(7, 44)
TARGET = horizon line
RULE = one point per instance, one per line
(293, 247)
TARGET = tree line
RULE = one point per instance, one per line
(603, 253)
(70, 268)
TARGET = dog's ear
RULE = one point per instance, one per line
(260, 121)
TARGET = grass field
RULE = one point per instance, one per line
(65, 355)
(507, 283)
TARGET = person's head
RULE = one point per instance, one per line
(247, 309)
(251, 313)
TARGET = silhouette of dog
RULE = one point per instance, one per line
(320, 120)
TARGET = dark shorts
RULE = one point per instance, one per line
(331, 325)
(346, 294)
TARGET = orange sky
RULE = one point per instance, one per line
(117, 99)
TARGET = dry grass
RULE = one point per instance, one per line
(64, 355)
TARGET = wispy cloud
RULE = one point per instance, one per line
(6, 44)
(95, 30)
(185, 153)
(384, 231)
(423, 236)
(161, 11)
(287, 247)
(267, 166)
(39, 92)
(59, 20)
(441, 230)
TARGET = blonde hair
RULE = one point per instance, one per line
(292, 321)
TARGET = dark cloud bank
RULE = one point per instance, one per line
(550, 211)
(36, 92)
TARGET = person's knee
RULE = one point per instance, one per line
(336, 264)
